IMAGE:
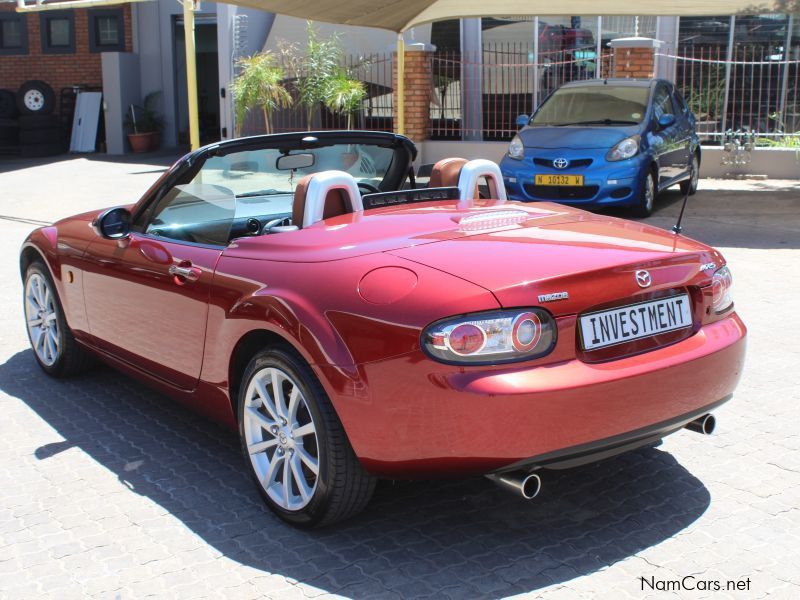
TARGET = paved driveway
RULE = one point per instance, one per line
(109, 490)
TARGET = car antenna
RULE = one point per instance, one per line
(676, 229)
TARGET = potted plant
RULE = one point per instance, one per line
(259, 84)
(144, 124)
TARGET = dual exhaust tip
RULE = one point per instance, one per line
(528, 485)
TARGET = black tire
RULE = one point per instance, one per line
(43, 150)
(9, 135)
(343, 488)
(35, 97)
(73, 359)
(647, 196)
(690, 185)
(8, 104)
(39, 122)
(33, 137)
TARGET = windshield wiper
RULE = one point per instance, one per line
(601, 122)
(269, 192)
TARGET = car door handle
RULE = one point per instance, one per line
(184, 271)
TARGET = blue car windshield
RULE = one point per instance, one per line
(597, 105)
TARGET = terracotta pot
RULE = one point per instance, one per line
(155, 140)
(140, 142)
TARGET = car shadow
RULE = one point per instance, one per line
(467, 537)
(726, 218)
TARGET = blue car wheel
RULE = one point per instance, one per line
(648, 196)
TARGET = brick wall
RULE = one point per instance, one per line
(634, 62)
(57, 70)
(418, 89)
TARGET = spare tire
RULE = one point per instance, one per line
(29, 137)
(9, 135)
(39, 121)
(35, 97)
(41, 150)
(8, 104)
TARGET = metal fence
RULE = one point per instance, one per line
(749, 88)
(502, 82)
(478, 96)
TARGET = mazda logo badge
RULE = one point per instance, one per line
(561, 163)
(643, 279)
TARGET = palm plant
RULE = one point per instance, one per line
(319, 77)
(259, 84)
(344, 95)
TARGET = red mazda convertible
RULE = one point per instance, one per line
(352, 323)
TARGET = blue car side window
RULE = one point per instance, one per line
(662, 103)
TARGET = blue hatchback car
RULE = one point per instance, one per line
(613, 142)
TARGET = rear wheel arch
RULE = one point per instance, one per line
(245, 349)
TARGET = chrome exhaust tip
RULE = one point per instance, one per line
(527, 485)
(705, 424)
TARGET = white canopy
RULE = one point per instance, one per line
(400, 15)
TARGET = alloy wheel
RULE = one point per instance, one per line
(649, 193)
(41, 315)
(281, 438)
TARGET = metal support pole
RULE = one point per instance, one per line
(191, 73)
(728, 75)
(535, 64)
(598, 53)
(401, 84)
(471, 81)
(785, 83)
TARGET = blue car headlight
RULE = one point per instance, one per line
(516, 149)
(627, 148)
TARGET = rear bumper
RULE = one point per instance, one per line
(567, 458)
(416, 418)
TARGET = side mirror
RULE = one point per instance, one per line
(113, 224)
(665, 121)
(522, 120)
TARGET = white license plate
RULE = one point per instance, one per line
(635, 321)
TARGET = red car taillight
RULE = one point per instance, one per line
(721, 290)
(492, 337)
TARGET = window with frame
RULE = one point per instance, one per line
(107, 30)
(58, 32)
(13, 34)
(662, 103)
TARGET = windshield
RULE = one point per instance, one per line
(262, 189)
(596, 105)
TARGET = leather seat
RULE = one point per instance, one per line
(446, 172)
(336, 202)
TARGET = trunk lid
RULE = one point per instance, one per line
(590, 257)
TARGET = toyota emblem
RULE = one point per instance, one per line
(643, 279)
(561, 163)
